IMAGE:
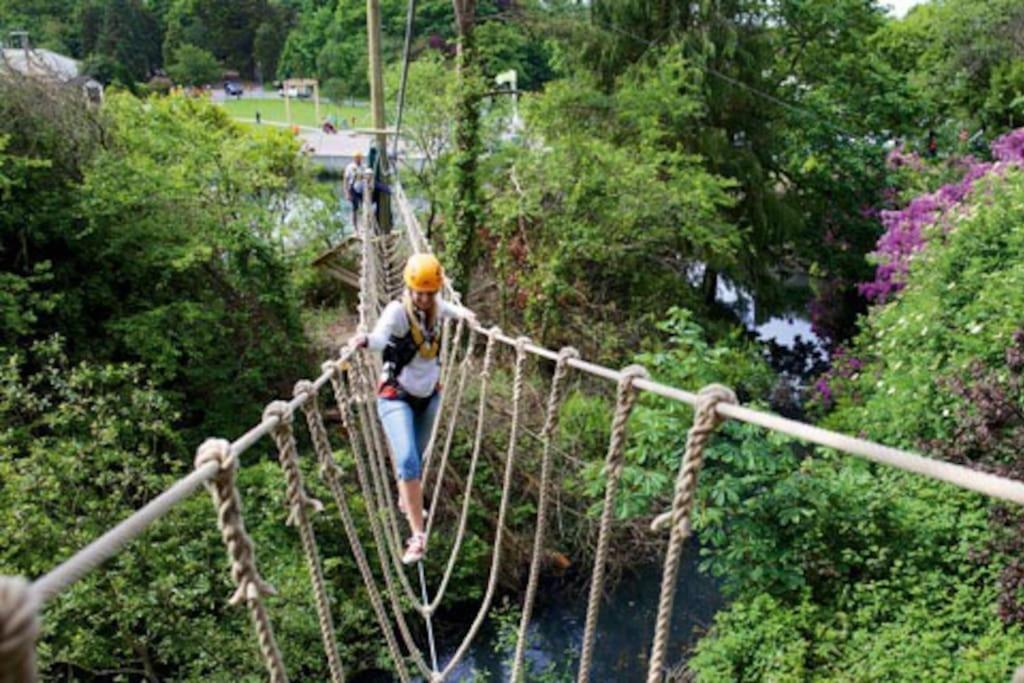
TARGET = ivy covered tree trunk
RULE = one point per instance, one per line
(465, 212)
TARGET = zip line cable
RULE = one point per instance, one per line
(410, 18)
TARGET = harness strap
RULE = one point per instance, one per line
(425, 350)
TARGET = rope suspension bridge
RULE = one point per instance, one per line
(348, 381)
(351, 378)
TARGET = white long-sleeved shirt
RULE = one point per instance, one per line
(419, 377)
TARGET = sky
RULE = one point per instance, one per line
(900, 7)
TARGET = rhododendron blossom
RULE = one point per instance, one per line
(905, 233)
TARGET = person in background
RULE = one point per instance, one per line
(352, 184)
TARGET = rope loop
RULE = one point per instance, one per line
(567, 352)
(305, 388)
(19, 630)
(278, 409)
(492, 339)
(216, 450)
(626, 397)
(709, 397)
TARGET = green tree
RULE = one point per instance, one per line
(121, 40)
(194, 66)
(464, 207)
(599, 216)
(228, 30)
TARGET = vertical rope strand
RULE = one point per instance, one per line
(705, 420)
(331, 475)
(513, 437)
(550, 425)
(625, 398)
(299, 504)
(251, 586)
(460, 533)
(454, 408)
(342, 398)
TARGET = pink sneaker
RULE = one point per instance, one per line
(415, 548)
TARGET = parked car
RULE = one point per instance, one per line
(233, 89)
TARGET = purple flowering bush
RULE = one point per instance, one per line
(906, 229)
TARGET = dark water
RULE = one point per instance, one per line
(625, 628)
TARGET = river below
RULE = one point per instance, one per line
(625, 629)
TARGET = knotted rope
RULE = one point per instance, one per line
(460, 534)
(19, 629)
(331, 475)
(550, 424)
(625, 398)
(454, 409)
(705, 420)
(492, 582)
(344, 400)
(299, 503)
(251, 586)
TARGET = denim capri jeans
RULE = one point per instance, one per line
(408, 430)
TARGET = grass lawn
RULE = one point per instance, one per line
(303, 112)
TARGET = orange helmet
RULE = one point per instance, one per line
(423, 273)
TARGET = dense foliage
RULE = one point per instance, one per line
(830, 558)
(814, 157)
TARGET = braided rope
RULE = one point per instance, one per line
(331, 475)
(492, 581)
(342, 397)
(299, 502)
(380, 468)
(550, 424)
(705, 420)
(625, 398)
(379, 501)
(19, 629)
(251, 586)
(452, 424)
(460, 534)
(450, 346)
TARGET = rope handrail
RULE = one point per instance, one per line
(1004, 488)
(73, 569)
(380, 275)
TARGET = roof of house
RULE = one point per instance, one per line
(39, 62)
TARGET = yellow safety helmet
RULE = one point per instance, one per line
(423, 273)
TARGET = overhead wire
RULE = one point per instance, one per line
(410, 18)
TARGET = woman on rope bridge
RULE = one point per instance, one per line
(409, 334)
